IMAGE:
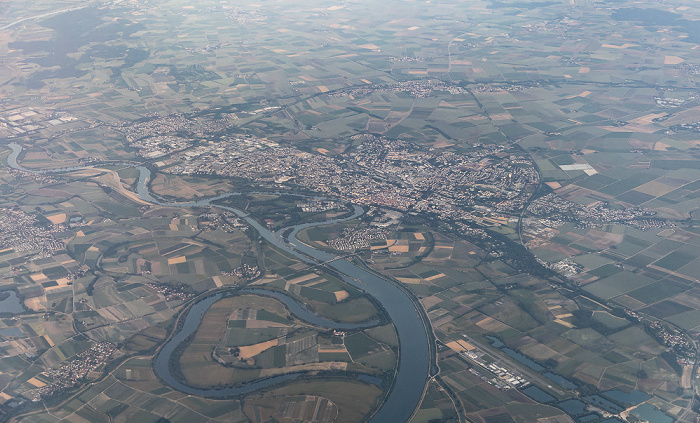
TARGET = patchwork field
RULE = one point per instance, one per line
(581, 280)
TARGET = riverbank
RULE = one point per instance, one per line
(415, 352)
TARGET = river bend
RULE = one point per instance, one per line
(415, 352)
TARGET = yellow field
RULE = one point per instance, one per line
(625, 45)
(253, 350)
(631, 128)
(647, 119)
(332, 350)
(454, 346)
(399, 248)
(438, 276)
(583, 94)
(57, 218)
(217, 281)
(492, 325)
(341, 295)
(176, 260)
(564, 323)
(460, 346)
(302, 278)
(655, 188)
(409, 280)
(466, 345)
(39, 277)
(660, 146)
(673, 60)
(36, 382)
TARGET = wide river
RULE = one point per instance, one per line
(415, 352)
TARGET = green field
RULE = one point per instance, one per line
(382, 105)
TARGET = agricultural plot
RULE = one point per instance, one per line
(321, 291)
(353, 400)
(92, 285)
(651, 271)
(247, 337)
(603, 99)
(575, 342)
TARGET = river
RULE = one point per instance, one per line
(415, 352)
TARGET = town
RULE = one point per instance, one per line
(555, 208)
(351, 240)
(23, 232)
(486, 185)
(73, 373)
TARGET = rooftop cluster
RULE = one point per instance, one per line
(72, 373)
(23, 232)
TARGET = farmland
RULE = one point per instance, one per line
(556, 331)
(528, 173)
(247, 337)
